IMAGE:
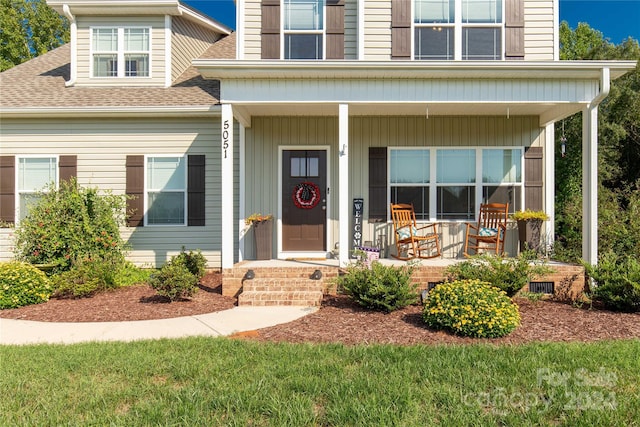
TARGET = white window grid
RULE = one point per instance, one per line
(120, 52)
(19, 187)
(458, 26)
(321, 30)
(434, 185)
(148, 190)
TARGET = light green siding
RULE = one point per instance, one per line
(102, 146)
(268, 133)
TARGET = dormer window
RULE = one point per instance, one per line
(120, 52)
(303, 29)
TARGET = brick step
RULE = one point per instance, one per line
(288, 272)
(283, 284)
(275, 298)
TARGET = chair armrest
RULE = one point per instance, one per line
(475, 227)
(432, 225)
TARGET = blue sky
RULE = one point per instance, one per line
(616, 19)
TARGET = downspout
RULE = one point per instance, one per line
(605, 87)
(73, 27)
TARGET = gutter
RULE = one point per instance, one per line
(105, 112)
(74, 44)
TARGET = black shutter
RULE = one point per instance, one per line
(335, 29)
(514, 29)
(534, 167)
(377, 184)
(67, 167)
(401, 29)
(135, 189)
(270, 30)
(195, 190)
(7, 189)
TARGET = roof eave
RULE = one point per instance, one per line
(102, 112)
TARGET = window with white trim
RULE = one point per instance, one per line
(34, 176)
(449, 183)
(166, 190)
(458, 29)
(120, 52)
(303, 30)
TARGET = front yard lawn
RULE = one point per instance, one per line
(201, 381)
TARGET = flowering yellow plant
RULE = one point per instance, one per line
(471, 308)
(529, 215)
(257, 217)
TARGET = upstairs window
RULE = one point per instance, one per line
(303, 29)
(120, 52)
(457, 29)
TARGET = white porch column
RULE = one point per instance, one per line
(590, 184)
(343, 183)
(549, 182)
(226, 184)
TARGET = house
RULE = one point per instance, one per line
(309, 109)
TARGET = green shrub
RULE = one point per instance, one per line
(195, 262)
(174, 281)
(618, 282)
(22, 284)
(69, 224)
(385, 288)
(87, 278)
(471, 308)
(505, 273)
(129, 274)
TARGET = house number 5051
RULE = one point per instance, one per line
(225, 137)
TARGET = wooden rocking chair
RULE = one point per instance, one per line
(413, 241)
(491, 230)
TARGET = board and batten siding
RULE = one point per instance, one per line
(261, 147)
(188, 41)
(539, 30)
(102, 147)
(268, 133)
(157, 55)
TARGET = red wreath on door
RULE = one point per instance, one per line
(306, 195)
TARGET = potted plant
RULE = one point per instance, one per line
(529, 228)
(262, 233)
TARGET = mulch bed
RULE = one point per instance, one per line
(338, 320)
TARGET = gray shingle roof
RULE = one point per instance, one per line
(40, 83)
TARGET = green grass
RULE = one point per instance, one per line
(212, 382)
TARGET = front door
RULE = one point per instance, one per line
(304, 200)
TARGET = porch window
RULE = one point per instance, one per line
(502, 177)
(303, 29)
(450, 183)
(120, 52)
(166, 190)
(34, 175)
(457, 29)
(456, 175)
(409, 179)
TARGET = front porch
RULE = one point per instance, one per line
(306, 281)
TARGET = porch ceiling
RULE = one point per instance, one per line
(411, 109)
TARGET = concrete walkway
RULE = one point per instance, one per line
(227, 322)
